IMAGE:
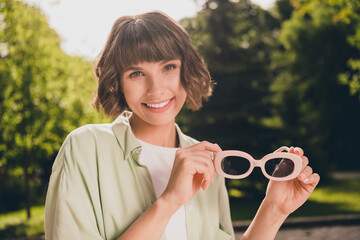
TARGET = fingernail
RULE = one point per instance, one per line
(299, 150)
(306, 180)
(217, 145)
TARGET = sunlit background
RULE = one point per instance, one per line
(287, 73)
(84, 24)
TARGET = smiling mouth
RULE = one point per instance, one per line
(158, 105)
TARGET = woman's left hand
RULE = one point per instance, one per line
(287, 196)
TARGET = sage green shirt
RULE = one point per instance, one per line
(98, 188)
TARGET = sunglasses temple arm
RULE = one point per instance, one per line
(282, 149)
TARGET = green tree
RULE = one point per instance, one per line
(316, 111)
(42, 98)
(236, 40)
(347, 13)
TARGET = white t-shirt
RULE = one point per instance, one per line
(159, 161)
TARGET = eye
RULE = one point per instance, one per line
(169, 67)
(135, 74)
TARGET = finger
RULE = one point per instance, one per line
(218, 146)
(208, 148)
(211, 155)
(197, 154)
(205, 145)
(305, 173)
(305, 161)
(205, 184)
(203, 158)
(202, 170)
(191, 156)
(192, 151)
(313, 179)
(299, 151)
(291, 150)
(208, 161)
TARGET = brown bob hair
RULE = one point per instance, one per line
(149, 37)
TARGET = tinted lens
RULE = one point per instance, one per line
(279, 167)
(235, 165)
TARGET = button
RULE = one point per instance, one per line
(137, 151)
(135, 154)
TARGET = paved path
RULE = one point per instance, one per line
(306, 228)
(348, 232)
(345, 175)
(318, 233)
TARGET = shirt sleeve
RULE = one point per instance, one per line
(72, 208)
(224, 208)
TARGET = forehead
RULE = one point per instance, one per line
(146, 42)
(143, 64)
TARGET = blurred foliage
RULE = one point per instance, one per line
(280, 81)
(345, 13)
(336, 197)
(316, 111)
(237, 40)
(44, 94)
(16, 224)
(283, 77)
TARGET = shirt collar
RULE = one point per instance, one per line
(124, 135)
(127, 140)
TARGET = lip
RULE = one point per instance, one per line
(160, 109)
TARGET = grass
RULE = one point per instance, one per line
(15, 224)
(337, 197)
(333, 198)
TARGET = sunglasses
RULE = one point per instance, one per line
(278, 166)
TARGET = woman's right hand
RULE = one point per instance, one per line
(193, 169)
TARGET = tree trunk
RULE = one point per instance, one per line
(27, 187)
(3, 176)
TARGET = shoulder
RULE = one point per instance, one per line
(91, 131)
(83, 144)
(89, 136)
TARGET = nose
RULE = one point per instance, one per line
(155, 85)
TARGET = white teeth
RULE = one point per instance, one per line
(159, 105)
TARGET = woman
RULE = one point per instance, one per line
(140, 177)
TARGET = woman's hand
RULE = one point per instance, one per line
(193, 168)
(287, 196)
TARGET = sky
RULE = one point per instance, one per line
(84, 25)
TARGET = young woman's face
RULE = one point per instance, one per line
(153, 91)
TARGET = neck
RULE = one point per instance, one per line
(165, 135)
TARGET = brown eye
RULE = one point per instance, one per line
(136, 74)
(169, 67)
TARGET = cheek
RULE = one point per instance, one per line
(128, 95)
(182, 92)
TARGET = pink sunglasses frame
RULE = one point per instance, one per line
(259, 163)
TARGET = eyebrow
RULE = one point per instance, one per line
(132, 68)
(135, 68)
